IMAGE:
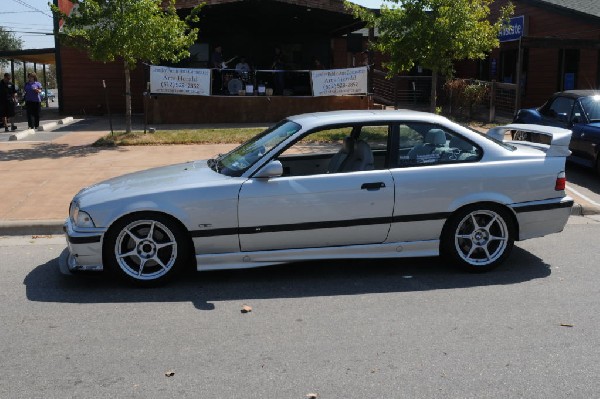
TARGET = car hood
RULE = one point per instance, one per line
(195, 174)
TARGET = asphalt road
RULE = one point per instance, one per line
(351, 329)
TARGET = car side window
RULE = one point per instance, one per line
(339, 149)
(425, 144)
(560, 109)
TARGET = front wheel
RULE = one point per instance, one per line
(479, 238)
(146, 249)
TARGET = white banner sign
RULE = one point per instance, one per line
(338, 82)
(183, 81)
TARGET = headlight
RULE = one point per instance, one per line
(79, 217)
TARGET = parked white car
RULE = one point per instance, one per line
(395, 184)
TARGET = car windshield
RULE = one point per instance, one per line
(591, 107)
(237, 161)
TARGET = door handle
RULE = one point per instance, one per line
(372, 186)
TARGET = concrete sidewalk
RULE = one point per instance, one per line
(39, 178)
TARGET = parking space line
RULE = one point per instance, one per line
(588, 199)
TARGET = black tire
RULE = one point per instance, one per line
(146, 249)
(478, 238)
(598, 163)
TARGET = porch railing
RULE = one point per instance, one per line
(401, 90)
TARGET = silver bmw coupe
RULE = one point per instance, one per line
(343, 184)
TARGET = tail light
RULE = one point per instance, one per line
(561, 181)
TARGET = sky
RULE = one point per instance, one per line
(31, 20)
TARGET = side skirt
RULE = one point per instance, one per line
(245, 260)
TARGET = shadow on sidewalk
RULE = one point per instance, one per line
(53, 151)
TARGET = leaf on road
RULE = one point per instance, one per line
(312, 395)
(169, 373)
(246, 309)
(566, 325)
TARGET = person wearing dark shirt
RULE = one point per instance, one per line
(8, 100)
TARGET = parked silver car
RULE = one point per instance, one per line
(392, 184)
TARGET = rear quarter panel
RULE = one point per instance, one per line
(437, 191)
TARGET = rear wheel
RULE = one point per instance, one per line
(146, 249)
(479, 238)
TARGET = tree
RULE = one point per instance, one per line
(128, 30)
(8, 42)
(433, 34)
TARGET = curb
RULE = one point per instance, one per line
(31, 227)
(55, 227)
(42, 128)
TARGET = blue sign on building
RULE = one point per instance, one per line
(514, 30)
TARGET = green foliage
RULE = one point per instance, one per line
(8, 41)
(465, 94)
(132, 30)
(433, 33)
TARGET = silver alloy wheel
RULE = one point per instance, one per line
(481, 238)
(146, 249)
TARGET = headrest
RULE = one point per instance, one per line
(435, 137)
(362, 148)
(461, 144)
(348, 145)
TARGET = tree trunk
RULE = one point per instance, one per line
(127, 100)
(433, 102)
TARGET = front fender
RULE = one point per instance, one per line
(530, 115)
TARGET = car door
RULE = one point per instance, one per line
(316, 210)
(585, 139)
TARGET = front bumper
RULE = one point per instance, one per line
(84, 250)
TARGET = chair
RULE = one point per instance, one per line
(435, 139)
(336, 162)
(352, 157)
(461, 149)
(361, 159)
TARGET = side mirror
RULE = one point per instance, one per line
(272, 169)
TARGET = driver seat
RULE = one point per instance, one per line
(360, 159)
(337, 162)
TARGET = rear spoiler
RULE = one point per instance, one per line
(554, 140)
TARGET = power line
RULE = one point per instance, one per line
(21, 2)
(13, 25)
(33, 33)
(14, 12)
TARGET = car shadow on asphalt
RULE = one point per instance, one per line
(302, 279)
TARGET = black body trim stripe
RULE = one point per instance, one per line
(214, 232)
(319, 225)
(543, 207)
(84, 240)
(421, 217)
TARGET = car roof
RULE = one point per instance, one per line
(352, 116)
(578, 93)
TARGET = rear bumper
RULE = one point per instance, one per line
(84, 249)
(540, 218)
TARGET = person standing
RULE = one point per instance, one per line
(33, 100)
(8, 99)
